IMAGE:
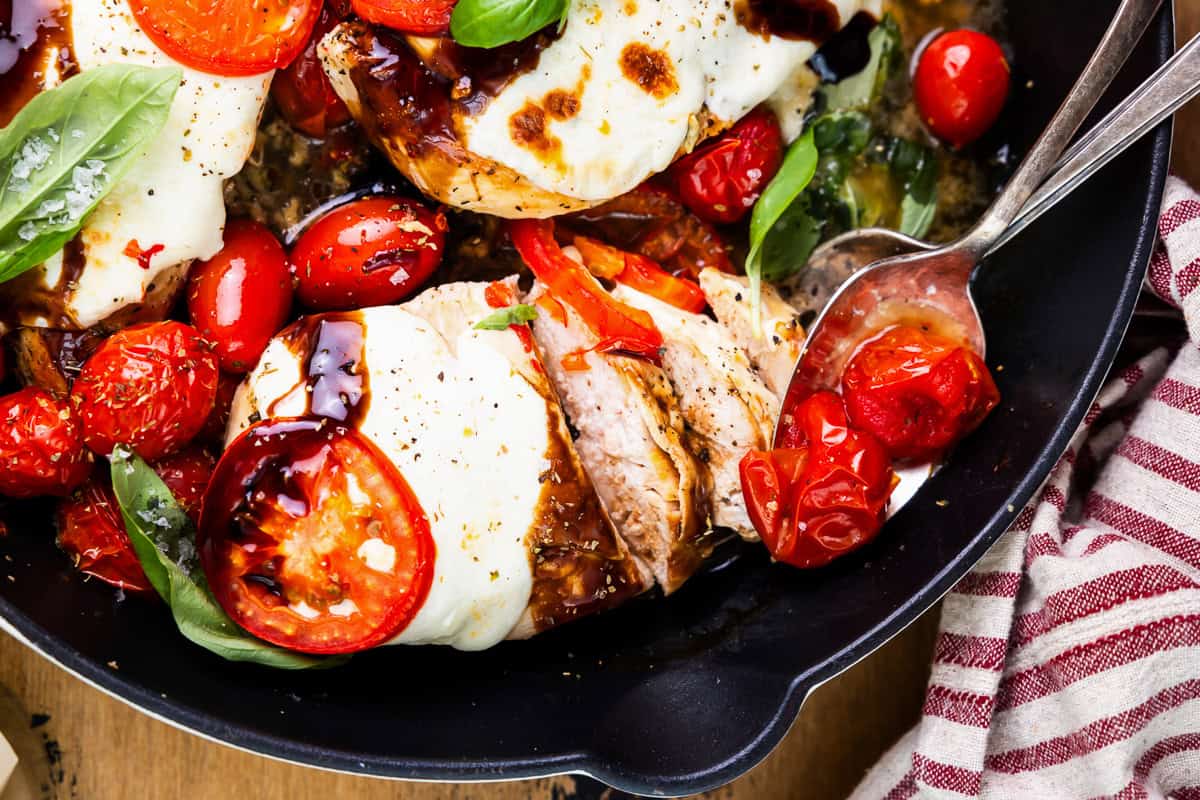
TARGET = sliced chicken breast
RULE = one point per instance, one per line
(773, 350)
(727, 408)
(632, 443)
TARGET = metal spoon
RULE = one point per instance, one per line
(932, 284)
(1164, 93)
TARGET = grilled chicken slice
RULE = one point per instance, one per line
(727, 408)
(632, 443)
(774, 350)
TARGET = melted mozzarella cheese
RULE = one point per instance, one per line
(619, 95)
(173, 194)
(469, 435)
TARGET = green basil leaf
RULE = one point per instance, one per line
(506, 317)
(492, 23)
(164, 540)
(65, 151)
(796, 172)
(861, 89)
(915, 167)
(791, 241)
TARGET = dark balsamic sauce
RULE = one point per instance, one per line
(847, 52)
(807, 20)
(27, 297)
(35, 51)
(335, 384)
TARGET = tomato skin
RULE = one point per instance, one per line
(41, 445)
(277, 530)
(149, 386)
(186, 474)
(213, 433)
(640, 273)
(368, 252)
(241, 297)
(229, 37)
(618, 326)
(721, 180)
(91, 531)
(302, 91)
(960, 85)
(422, 17)
(826, 494)
(917, 393)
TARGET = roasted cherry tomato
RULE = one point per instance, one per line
(302, 91)
(229, 37)
(240, 297)
(960, 85)
(91, 532)
(916, 392)
(422, 17)
(213, 433)
(41, 445)
(369, 252)
(186, 474)
(640, 273)
(312, 540)
(722, 179)
(824, 493)
(652, 222)
(150, 387)
(619, 327)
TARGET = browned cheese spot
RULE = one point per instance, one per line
(561, 104)
(650, 69)
(527, 128)
(631, 7)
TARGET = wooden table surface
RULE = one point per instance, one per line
(101, 749)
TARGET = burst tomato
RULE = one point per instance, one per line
(229, 37)
(240, 297)
(41, 445)
(312, 540)
(90, 530)
(824, 492)
(186, 474)
(916, 392)
(368, 252)
(422, 17)
(721, 181)
(213, 433)
(640, 273)
(150, 387)
(960, 85)
(302, 91)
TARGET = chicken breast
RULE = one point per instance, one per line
(569, 120)
(521, 539)
(727, 408)
(632, 443)
(775, 348)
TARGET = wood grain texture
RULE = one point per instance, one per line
(103, 750)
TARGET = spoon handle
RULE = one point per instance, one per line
(1130, 22)
(1174, 84)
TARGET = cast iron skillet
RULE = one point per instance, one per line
(682, 695)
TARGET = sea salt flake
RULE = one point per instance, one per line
(86, 187)
(51, 206)
(34, 154)
(27, 232)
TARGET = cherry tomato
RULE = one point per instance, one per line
(295, 557)
(90, 530)
(213, 433)
(619, 327)
(302, 91)
(150, 387)
(917, 393)
(422, 17)
(229, 37)
(41, 445)
(722, 179)
(824, 493)
(640, 273)
(652, 222)
(186, 474)
(241, 297)
(369, 252)
(960, 85)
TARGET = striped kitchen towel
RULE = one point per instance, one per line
(1068, 660)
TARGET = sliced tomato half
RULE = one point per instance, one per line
(229, 37)
(422, 17)
(640, 273)
(312, 540)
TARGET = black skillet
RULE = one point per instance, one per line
(679, 696)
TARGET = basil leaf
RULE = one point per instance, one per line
(796, 172)
(792, 240)
(915, 167)
(164, 540)
(861, 89)
(492, 23)
(506, 317)
(65, 151)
